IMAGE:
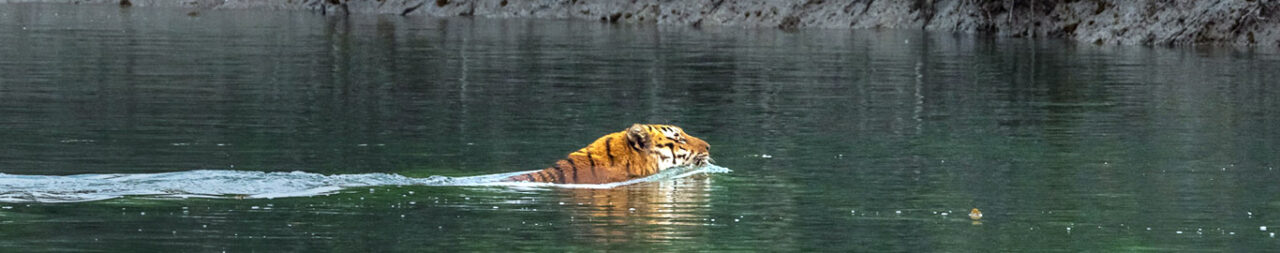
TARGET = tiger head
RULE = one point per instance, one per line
(669, 145)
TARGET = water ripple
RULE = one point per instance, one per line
(253, 184)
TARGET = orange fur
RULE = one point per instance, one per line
(639, 151)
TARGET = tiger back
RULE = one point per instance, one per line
(639, 151)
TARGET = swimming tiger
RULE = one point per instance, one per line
(638, 151)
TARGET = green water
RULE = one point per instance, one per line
(839, 140)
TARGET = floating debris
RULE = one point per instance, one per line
(975, 214)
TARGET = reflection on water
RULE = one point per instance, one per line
(661, 211)
(839, 140)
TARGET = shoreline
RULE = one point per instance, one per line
(1173, 22)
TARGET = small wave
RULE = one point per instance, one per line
(254, 184)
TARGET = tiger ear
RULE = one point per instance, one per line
(637, 137)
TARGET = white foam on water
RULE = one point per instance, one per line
(256, 184)
(672, 173)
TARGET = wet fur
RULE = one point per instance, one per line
(639, 151)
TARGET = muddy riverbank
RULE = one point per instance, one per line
(1180, 22)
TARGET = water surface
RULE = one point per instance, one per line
(839, 140)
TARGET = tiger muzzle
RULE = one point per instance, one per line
(702, 159)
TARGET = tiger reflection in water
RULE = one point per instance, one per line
(652, 211)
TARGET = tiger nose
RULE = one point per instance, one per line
(699, 143)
